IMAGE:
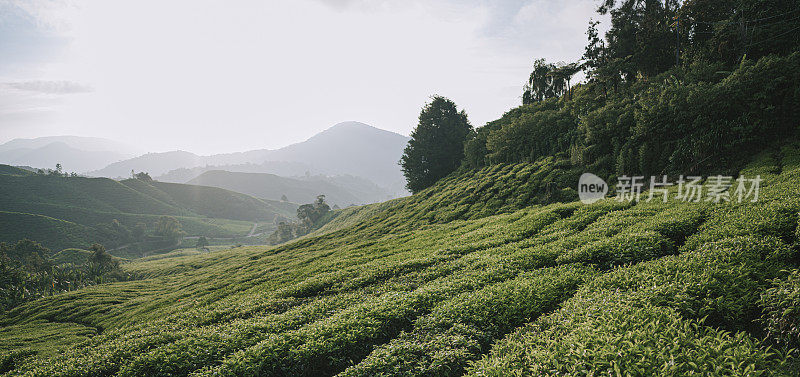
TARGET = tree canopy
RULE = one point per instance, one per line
(436, 147)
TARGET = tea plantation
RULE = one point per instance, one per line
(470, 277)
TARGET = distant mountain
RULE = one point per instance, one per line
(93, 144)
(74, 153)
(349, 148)
(343, 191)
(153, 163)
(359, 190)
(75, 211)
(282, 168)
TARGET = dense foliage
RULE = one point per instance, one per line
(310, 217)
(645, 112)
(28, 271)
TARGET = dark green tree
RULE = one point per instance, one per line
(169, 228)
(202, 243)
(139, 231)
(285, 232)
(28, 254)
(436, 147)
(641, 40)
(143, 176)
(311, 214)
(101, 262)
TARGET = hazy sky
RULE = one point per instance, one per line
(218, 76)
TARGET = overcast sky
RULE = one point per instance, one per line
(220, 76)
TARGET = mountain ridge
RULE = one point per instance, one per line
(352, 148)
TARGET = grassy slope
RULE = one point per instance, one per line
(435, 285)
(83, 203)
(54, 233)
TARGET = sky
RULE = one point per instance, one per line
(223, 76)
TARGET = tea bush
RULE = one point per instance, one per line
(782, 309)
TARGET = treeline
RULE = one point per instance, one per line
(672, 88)
(655, 104)
(166, 230)
(309, 217)
(29, 270)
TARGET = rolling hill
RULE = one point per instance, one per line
(273, 187)
(349, 148)
(438, 284)
(75, 211)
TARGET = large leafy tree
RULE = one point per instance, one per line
(548, 81)
(641, 40)
(436, 147)
(169, 228)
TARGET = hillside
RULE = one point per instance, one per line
(75, 211)
(273, 187)
(388, 289)
(56, 234)
(349, 148)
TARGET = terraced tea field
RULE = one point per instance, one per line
(469, 277)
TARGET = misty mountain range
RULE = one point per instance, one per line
(352, 162)
(74, 153)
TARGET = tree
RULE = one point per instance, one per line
(320, 205)
(101, 262)
(563, 76)
(169, 228)
(58, 172)
(285, 232)
(139, 231)
(202, 243)
(309, 217)
(26, 253)
(310, 214)
(436, 147)
(640, 40)
(284, 198)
(540, 83)
(143, 176)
